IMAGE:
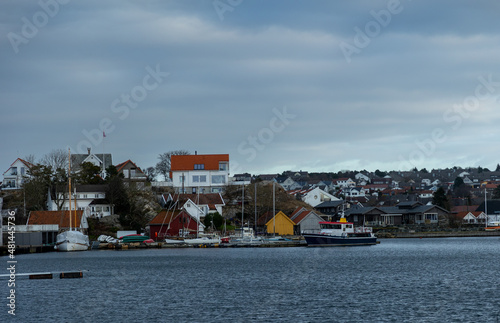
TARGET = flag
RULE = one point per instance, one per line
(103, 135)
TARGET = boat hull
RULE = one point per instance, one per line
(72, 241)
(322, 240)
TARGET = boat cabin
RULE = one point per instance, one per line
(336, 227)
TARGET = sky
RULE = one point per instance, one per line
(320, 86)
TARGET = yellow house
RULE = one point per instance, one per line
(282, 223)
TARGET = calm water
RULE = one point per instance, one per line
(399, 280)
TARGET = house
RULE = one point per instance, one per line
(330, 208)
(404, 213)
(132, 173)
(169, 223)
(313, 196)
(343, 182)
(280, 224)
(305, 220)
(60, 218)
(492, 209)
(200, 173)
(198, 205)
(288, 183)
(91, 197)
(101, 160)
(360, 177)
(474, 217)
(13, 178)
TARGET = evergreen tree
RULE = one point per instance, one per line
(440, 199)
(496, 193)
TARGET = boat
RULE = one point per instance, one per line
(72, 239)
(493, 226)
(340, 233)
(134, 238)
(204, 240)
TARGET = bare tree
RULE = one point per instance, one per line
(163, 166)
(57, 159)
(30, 159)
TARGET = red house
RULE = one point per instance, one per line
(172, 223)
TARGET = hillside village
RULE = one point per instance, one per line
(199, 193)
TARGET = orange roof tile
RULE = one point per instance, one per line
(187, 162)
(55, 217)
(166, 216)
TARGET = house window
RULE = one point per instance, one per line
(199, 166)
(223, 166)
(14, 171)
(433, 217)
(218, 179)
(199, 178)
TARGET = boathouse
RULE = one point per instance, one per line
(170, 223)
(280, 224)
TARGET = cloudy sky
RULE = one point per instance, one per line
(278, 85)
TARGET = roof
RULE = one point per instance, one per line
(187, 162)
(210, 199)
(283, 215)
(464, 214)
(329, 204)
(78, 159)
(60, 218)
(166, 216)
(120, 166)
(27, 164)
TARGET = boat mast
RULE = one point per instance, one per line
(69, 186)
(74, 214)
(274, 210)
(242, 206)
(485, 206)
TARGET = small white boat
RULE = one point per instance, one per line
(206, 240)
(174, 241)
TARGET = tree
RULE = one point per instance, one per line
(460, 189)
(498, 168)
(163, 166)
(36, 187)
(57, 158)
(440, 199)
(380, 173)
(496, 192)
(151, 173)
(89, 174)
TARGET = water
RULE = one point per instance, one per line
(399, 280)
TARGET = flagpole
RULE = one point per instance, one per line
(103, 136)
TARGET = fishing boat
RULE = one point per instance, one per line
(72, 239)
(340, 233)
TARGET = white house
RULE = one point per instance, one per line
(360, 177)
(13, 178)
(101, 160)
(91, 198)
(200, 173)
(343, 182)
(313, 196)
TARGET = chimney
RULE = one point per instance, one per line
(88, 150)
(195, 152)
